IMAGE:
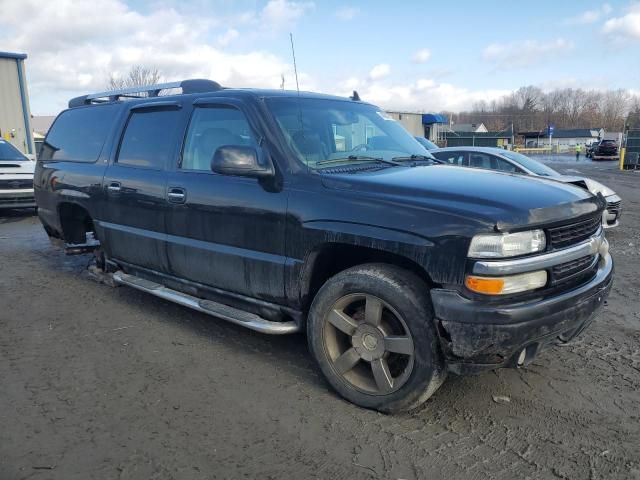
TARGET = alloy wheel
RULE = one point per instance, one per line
(368, 344)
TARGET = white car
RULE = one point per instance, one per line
(16, 178)
(498, 159)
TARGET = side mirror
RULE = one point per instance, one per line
(239, 160)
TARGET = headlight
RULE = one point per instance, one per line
(500, 245)
(508, 284)
(596, 187)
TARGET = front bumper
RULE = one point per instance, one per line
(477, 336)
(22, 198)
(610, 155)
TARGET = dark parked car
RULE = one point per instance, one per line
(286, 212)
(514, 162)
(606, 150)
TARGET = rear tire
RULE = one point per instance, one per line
(371, 330)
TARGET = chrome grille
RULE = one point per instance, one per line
(16, 184)
(566, 235)
(566, 270)
(16, 200)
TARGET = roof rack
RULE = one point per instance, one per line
(187, 86)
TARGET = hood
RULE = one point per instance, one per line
(573, 180)
(18, 168)
(588, 184)
(505, 200)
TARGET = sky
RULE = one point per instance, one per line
(412, 56)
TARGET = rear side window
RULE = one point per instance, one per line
(149, 140)
(504, 166)
(479, 160)
(78, 135)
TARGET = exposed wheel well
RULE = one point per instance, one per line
(337, 257)
(76, 223)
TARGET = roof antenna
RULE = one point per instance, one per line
(295, 69)
(355, 97)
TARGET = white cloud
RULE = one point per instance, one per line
(227, 37)
(590, 16)
(422, 56)
(351, 83)
(424, 94)
(281, 13)
(626, 27)
(379, 71)
(521, 54)
(347, 13)
(74, 46)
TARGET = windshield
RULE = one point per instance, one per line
(530, 164)
(336, 132)
(428, 144)
(10, 153)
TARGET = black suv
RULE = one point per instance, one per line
(605, 150)
(284, 212)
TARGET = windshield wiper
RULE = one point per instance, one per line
(357, 158)
(414, 157)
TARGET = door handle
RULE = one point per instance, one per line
(176, 195)
(114, 187)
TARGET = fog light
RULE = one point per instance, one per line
(506, 285)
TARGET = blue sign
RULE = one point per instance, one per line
(550, 130)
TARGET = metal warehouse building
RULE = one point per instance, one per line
(429, 125)
(15, 116)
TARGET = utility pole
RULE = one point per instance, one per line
(513, 137)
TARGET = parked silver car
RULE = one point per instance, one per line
(513, 162)
(16, 178)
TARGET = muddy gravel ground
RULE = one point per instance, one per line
(110, 383)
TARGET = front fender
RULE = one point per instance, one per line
(439, 258)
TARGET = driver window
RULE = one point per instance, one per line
(209, 129)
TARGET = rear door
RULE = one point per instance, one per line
(135, 185)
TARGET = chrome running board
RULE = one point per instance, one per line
(225, 312)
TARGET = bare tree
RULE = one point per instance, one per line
(633, 119)
(614, 108)
(137, 76)
(528, 98)
(529, 108)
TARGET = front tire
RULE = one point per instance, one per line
(371, 330)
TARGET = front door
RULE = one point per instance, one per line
(135, 186)
(225, 232)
